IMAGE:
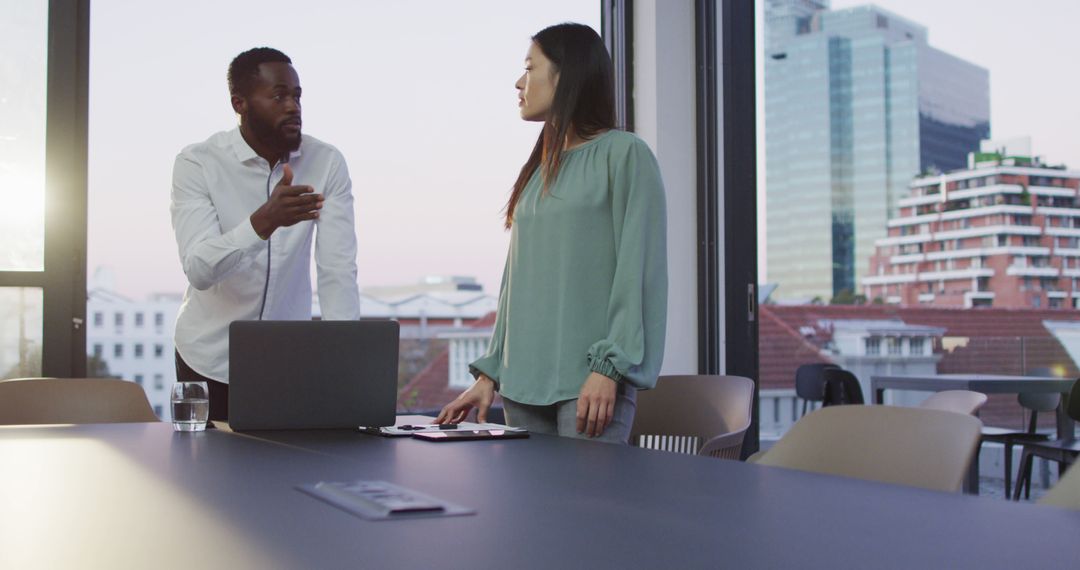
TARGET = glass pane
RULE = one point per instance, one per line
(23, 51)
(427, 120)
(20, 332)
(922, 246)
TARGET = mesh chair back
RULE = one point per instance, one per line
(72, 401)
(931, 449)
(841, 388)
(697, 414)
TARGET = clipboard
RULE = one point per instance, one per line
(470, 435)
(407, 430)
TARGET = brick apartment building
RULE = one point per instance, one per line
(1004, 232)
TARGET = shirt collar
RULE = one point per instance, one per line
(244, 152)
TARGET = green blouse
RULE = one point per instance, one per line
(585, 283)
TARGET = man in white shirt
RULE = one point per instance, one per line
(245, 205)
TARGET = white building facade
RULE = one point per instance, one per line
(135, 340)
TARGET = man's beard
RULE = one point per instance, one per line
(273, 136)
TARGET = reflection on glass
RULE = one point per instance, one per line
(23, 37)
(20, 332)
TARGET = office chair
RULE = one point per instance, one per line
(696, 414)
(1064, 450)
(72, 401)
(924, 448)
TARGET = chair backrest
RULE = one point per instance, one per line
(694, 414)
(1039, 401)
(809, 381)
(72, 401)
(959, 401)
(841, 387)
(1066, 493)
(1074, 402)
(906, 446)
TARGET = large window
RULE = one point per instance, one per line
(23, 35)
(41, 124)
(418, 96)
(891, 204)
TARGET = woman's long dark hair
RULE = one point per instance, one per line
(584, 100)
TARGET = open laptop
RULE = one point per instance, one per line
(312, 374)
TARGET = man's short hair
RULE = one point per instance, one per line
(245, 68)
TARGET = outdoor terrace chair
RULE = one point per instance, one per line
(1034, 403)
(924, 448)
(696, 414)
(810, 383)
(72, 401)
(841, 388)
(1063, 451)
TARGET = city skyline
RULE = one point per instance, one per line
(1031, 90)
(1019, 47)
(1017, 44)
(857, 102)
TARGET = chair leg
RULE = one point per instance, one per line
(804, 403)
(1023, 474)
(1008, 469)
(1029, 475)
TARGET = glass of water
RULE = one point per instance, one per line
(190, 406)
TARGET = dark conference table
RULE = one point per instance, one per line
(142, 496)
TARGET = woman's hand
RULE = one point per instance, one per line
(479, 395)
(596, 404)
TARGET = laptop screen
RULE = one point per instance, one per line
(312, 374)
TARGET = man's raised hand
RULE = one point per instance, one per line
(287, 205)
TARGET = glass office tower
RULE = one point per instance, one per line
(857, 103)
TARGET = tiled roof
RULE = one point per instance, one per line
(998, 341)
(781, 350)
(430, 388)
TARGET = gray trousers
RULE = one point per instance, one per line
(560, 418)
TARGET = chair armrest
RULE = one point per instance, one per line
(726, 446)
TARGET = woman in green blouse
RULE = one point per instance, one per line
(583, 305)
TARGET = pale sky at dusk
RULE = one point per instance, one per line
(418, 95)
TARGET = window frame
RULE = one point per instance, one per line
(63, 278)
(726, 214)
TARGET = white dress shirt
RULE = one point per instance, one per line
(232, 273)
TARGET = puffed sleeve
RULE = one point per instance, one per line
(633, 349)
